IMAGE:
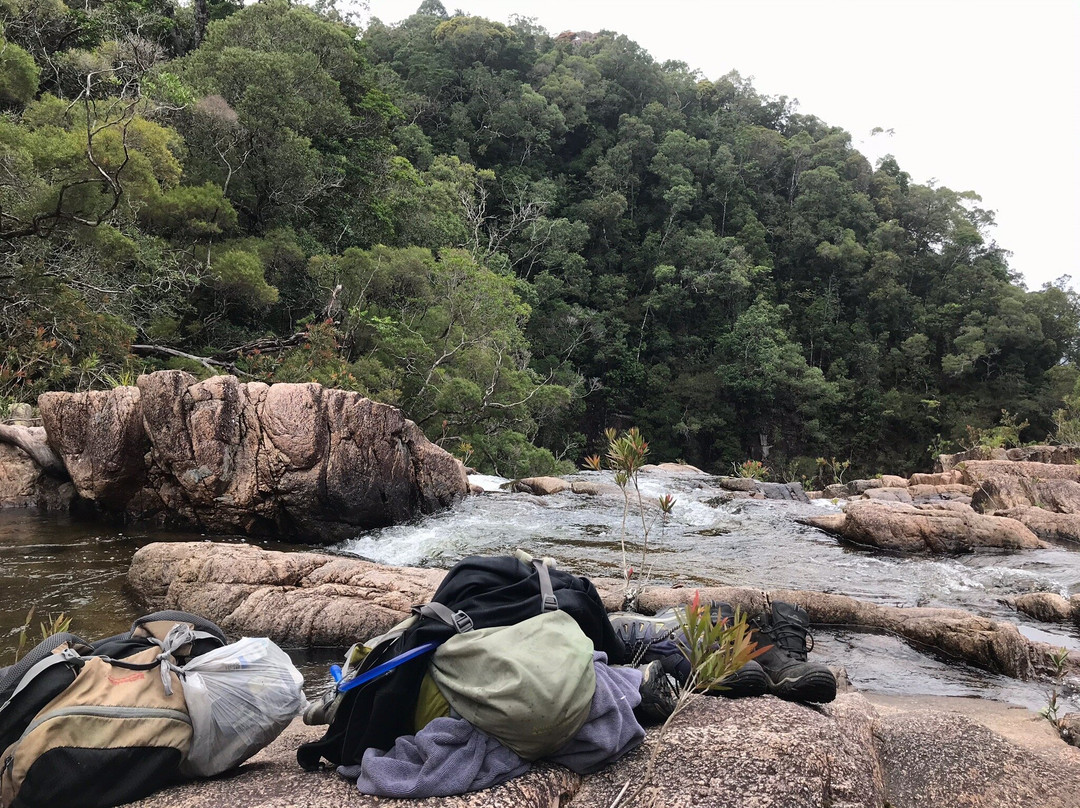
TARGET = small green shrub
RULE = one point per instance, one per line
(751, 469)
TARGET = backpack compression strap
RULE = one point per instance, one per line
(461, 622)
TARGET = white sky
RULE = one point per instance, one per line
(982, 95)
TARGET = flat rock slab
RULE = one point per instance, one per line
(910, 529)
(759, 752)
(273, 779)
(302, 599)
(945, 759)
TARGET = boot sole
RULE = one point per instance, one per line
(816, 686)
(743, 683)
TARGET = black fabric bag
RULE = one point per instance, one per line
(481, 592)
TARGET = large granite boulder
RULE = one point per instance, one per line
(909, 528)
(761, 751)
(292, 460)
(947, 462)
(312, 599)
(297, 599)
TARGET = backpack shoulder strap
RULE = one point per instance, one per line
(67, 657)
(548, 601)
(459, 621)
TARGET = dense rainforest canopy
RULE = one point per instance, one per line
(519, 238)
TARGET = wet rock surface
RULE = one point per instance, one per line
(318, 599)
(293, 460)
(906, 528)
(1049, 607)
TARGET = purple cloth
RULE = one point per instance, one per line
(611, 729)
(450, 756)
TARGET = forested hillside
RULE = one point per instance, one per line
(521, 238)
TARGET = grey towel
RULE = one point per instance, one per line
(450, 756)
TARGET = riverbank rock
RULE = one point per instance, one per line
(787, 492)
(297, 599)
(595, 489)
(888, 495)
(312, 599)
(761, 752)
(1049, 607)
(753, 752)
(911, 529)
(1070, 728)
(290, 460)
(672, 468)
(1045, 524)
(1004, 493)
(936, 757)
(946, 491)
(943, 478)
(23, 484)
(540, 486)
(947, 462)
(975, 472)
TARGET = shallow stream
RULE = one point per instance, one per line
(78, 567)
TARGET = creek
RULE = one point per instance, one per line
(77, 566)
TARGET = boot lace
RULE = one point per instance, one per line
(791, 638)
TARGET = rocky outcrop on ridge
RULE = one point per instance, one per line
(294, 460)
(319, 599)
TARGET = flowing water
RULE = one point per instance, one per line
(63, 564)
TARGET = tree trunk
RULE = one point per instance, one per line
(202, 19)
(36, 447)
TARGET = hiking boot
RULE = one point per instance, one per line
(658, 695)
(790, 676)
(749, 680)
(658, 638)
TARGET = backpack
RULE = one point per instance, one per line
(530, 685)
(97, 724)
(477, 593)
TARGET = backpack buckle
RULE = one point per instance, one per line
(550, 603)
(462, 622)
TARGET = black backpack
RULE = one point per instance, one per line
(477, 592)
(63, 774)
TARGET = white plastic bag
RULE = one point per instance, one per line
(240, 697)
